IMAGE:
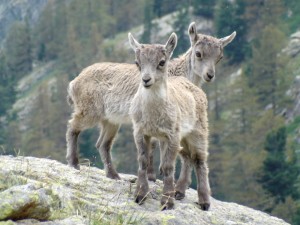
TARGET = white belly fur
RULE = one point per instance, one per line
(186, 128)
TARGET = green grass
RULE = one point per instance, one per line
(291, 128)
(103, 216)
(118, 219)
(10, 179)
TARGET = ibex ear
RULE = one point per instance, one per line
(171, 44)
(133, 43)
(226, 40)
(193, 33)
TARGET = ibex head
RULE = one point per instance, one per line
(152, 59)
(206, 52)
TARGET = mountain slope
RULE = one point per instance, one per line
(18, 10)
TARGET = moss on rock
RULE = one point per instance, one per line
(62, 195)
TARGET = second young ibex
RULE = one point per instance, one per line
(101, 94)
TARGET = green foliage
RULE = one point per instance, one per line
(294, 125)
(292, 16)
(6, 86)
(127, 14)
(269, 73)
(124, 150)
(229, 18)
(46, 44)
(148, 17)
(296, 215)
(289, 210)
(87, 142)
(52, 31)
(204, 8)
(180, 27)
(157, 7)
(62, 34)
(46, 126)
(18, 51)
(235, 160)
(273, 12)
(161, 8)
(278, 176)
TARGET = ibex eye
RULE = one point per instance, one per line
(198, 54)
(162, 63)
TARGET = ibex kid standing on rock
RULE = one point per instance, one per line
(173, 110)
(101, 94)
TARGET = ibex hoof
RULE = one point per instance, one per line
(75, 166)
(168, 205)
(152, 177)
(140, 199)
(205, 206)
(114, 176)
(179, 195)
(160, 171)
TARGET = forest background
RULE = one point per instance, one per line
(254, 120)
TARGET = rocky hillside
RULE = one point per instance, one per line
(43, 191)
(18, 10)
(293, 50)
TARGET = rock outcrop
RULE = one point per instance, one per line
(293, 113)
(43, 191)
(293, 47)
(17, 10)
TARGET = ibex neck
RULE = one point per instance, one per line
(183, 66)
(159, 91)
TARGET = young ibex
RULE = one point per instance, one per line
(102, 93)
(173, 110)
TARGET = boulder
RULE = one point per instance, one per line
(24, 201)
(68, 196)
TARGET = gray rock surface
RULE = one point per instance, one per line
(294, 92)
(69, 196)
(24, 201)
(293, 47)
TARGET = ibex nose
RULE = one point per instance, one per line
(210, 76)
(146, 80)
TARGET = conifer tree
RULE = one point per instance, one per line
(157, 7)
(229, 18)
(36, 141)
(293, 7)
(46, 47)
(18, 51)
(7, 93)
(269, 74)
(204, 8)
(180, 28)
(148, 25)
(278, 176)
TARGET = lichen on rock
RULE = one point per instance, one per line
(58, 194)
(24, 201)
